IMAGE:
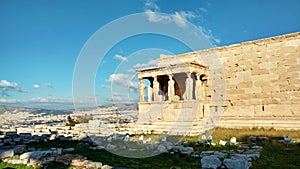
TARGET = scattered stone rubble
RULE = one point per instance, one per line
(239, 158)
(10, 147)
(234, 159)
(42, 158)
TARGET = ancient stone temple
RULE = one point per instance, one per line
(176, 93)
(252, 84)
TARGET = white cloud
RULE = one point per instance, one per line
(5, 83)
(117, 96)
(6, 87)
(180, 18)
(105, 87)
(8, 100)
(36, 86)
(150, 63)
(32, 101)
(124, 80)
(121, 58)
(208, 34)
(131, 70)
(203, 10)
(157, 17)
(49, 100)
(49, 85)
(39, 99)
(121, 98)
(149, 4)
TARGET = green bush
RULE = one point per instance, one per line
(79, 119)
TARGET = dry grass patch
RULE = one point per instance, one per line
(243, 134)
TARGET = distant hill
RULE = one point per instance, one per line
(127, 106)
(12, 109)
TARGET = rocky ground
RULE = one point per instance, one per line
(221, 154)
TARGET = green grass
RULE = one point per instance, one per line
(278, 155)
(159, 161)
(15, 166)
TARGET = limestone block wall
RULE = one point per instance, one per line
(262, 81)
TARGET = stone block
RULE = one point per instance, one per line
(211, 162)
(236, 91)
(106, 167)
(236, 163)
(69, 149)
(268, 88)
(47, 160)
(259, 72)
(6, 153)
(7, 140)
(253, 90)
(18, 149)
(206, 153)
(245, 84)
(16, 161)
(32, 155)
(293, 43)
(162, 149)
(294, 68)
(16, 139)
(186, 150)
(265, 77)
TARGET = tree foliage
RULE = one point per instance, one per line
(78, 119)
(85, 118)
(71, 121)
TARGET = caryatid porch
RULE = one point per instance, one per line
(175, 93)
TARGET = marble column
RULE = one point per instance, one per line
(189, 87)
(198, 91)
(204, 87)
(155, 89)
(171, 89)
(142, 86)
(150, 93)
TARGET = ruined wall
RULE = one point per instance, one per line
(262, 81)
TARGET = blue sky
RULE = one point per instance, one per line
(40, 42)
